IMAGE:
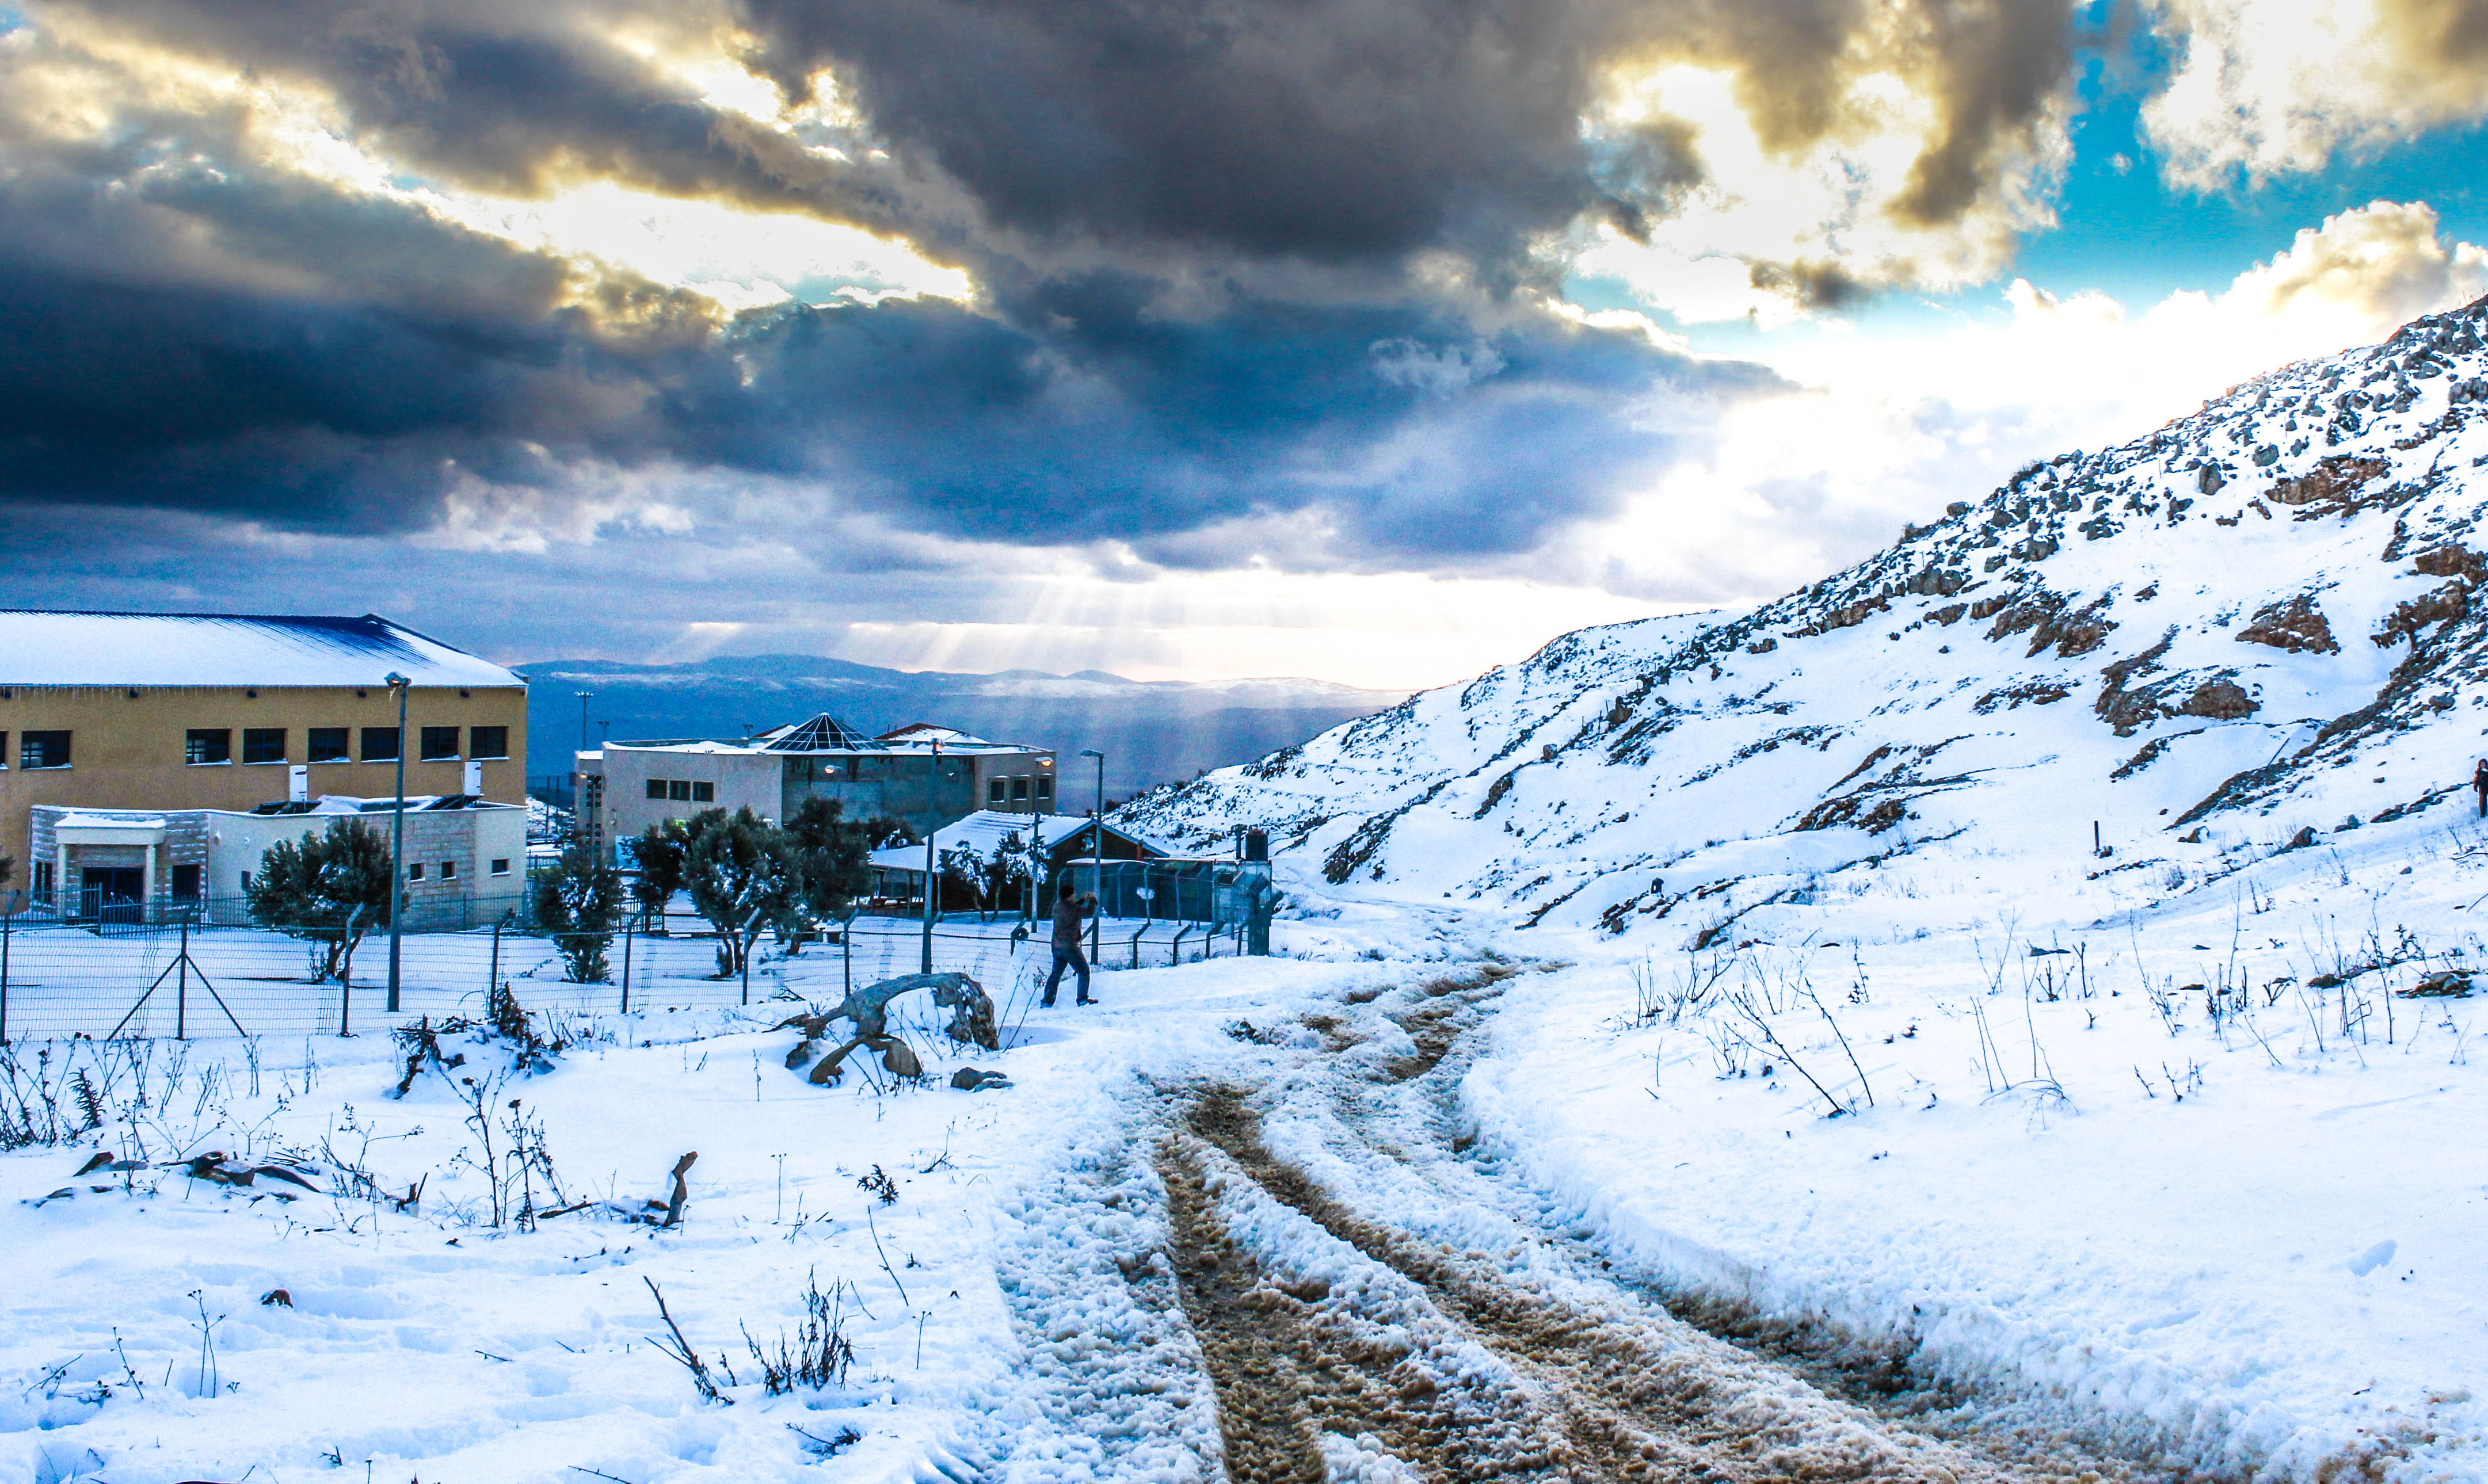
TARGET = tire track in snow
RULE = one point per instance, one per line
(1619, 1401)
(1481, 1212)
(1634, 1382)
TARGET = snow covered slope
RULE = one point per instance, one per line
(2250, 627)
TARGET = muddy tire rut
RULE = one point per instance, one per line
(1319, 1323)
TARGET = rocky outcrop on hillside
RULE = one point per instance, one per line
(2257, 620)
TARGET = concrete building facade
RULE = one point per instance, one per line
(465, 858)
(927, 775)
(164, 712)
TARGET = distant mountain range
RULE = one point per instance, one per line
(1151, 731)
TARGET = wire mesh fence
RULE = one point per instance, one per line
(105, 980)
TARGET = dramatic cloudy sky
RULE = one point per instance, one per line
(1377, 339)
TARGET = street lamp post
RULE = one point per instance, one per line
(932, 883)
(1097, 847)
(397, 844)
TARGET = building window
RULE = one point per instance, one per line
(43, 879)
(328, 743)
(206, 745)
(998, 791)
(415, 870)
(703, 793)
(449, 870)
(1044, 789)
(187, 882)
(488, 741)
(4, 752)
(246, 884)
(1019, 790)
(263, 744)
(380, 745)
(44, 749)
(678, 789)
(500, 865)
(440, 744)
(655, 788)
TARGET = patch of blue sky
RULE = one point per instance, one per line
(13, 19)
(2123, 229)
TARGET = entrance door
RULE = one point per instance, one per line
(112, 893)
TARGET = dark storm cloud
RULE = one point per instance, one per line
(513, 97)
(1198, 229)
(1110, 423)
(1408, 430)
(1327, 131)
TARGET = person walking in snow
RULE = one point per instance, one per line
(2479, 783)
(1068, 909)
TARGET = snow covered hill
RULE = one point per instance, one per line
(2248, 632)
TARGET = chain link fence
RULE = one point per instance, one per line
(137, 979)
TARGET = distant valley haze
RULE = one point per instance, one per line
(1151, 731)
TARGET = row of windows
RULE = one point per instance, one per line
(682, 789)
(207, 745)
(1018, 789)
(449, 869)
(328, 745)
(414, 872)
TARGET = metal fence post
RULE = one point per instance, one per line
(182, 986)
(7, 919)
(495, 977)
(626, 964)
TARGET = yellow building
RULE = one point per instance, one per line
(156, 712)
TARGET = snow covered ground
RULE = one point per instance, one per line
(2118, 1234)
(431, 1343)
(1714, 1046)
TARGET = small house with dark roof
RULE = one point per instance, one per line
(150, 713)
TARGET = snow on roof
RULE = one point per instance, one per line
(46, 647)
(71, 815)
(984, 830)
(826, 733)
(926, 732)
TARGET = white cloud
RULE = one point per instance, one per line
(2277, 87)
(1828, 206)
(1896, 425)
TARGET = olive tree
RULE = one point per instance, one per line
(328, 890)
(743, 874)
(660, 849)
(578, 905)
(833, 855)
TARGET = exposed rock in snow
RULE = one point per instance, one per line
(2199, 587)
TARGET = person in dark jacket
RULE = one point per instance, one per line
(2480, 781)
(1068, 911)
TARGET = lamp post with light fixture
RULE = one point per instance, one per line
(1097, 848)
(397, 844)
(933, 801)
